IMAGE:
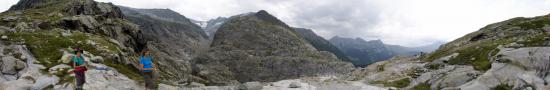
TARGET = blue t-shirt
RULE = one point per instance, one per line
(78, 60)
(147, 62)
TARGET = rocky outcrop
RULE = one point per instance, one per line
(259, 47)
(522, 68)
(174, 39)
(90, 7)
(19, 71)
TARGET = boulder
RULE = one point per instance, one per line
(96, 59)
(44, 81)
(10, 77)
(66, 58)
(167, 87)
(22, 84)
(58, 68)
(66, 33)
(81, 22)
(252, 86)
(8, 65)
(287, 85)
(294, 85)
(108, 80)
(195, 84)
(22, 26)
(20, 65)
(449, 76)
(4, 37)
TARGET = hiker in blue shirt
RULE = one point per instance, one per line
(147, 67)
(79, 66)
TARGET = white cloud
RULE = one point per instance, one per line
(402, 22)
(6, 4)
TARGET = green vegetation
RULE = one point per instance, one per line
(66, 78)
(46, 42)
(476, 54)
(536, 41)
(381, 67)
(415, 72)
(127, 70)
(503, 87)
(422, 86)
(433, 66)
(46, 46)
(42, 11)
(536, 23)
(401, 83)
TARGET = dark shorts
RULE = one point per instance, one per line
(80, 78)
(148, 77)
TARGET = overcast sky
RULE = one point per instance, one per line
(401, 22)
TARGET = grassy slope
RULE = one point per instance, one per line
(478, 53)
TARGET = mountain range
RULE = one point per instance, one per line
(253, 51)
(363, 53)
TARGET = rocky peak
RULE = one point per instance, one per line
(320, 43)
(259, 47)
(304, 31)
(70, 7)
(258, 30)
(27, 4)
(264, 15)
(376, 42)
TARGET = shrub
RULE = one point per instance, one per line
(422, 86)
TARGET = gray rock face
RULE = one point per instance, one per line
(294, 85)
(8, 65)
(522, 68)
(213, 25)
(96, 59)
(173, 38)
(90, 7)
(22, 74)
(252, 86)
(449, 76)
(259, 47)
(58, 68)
